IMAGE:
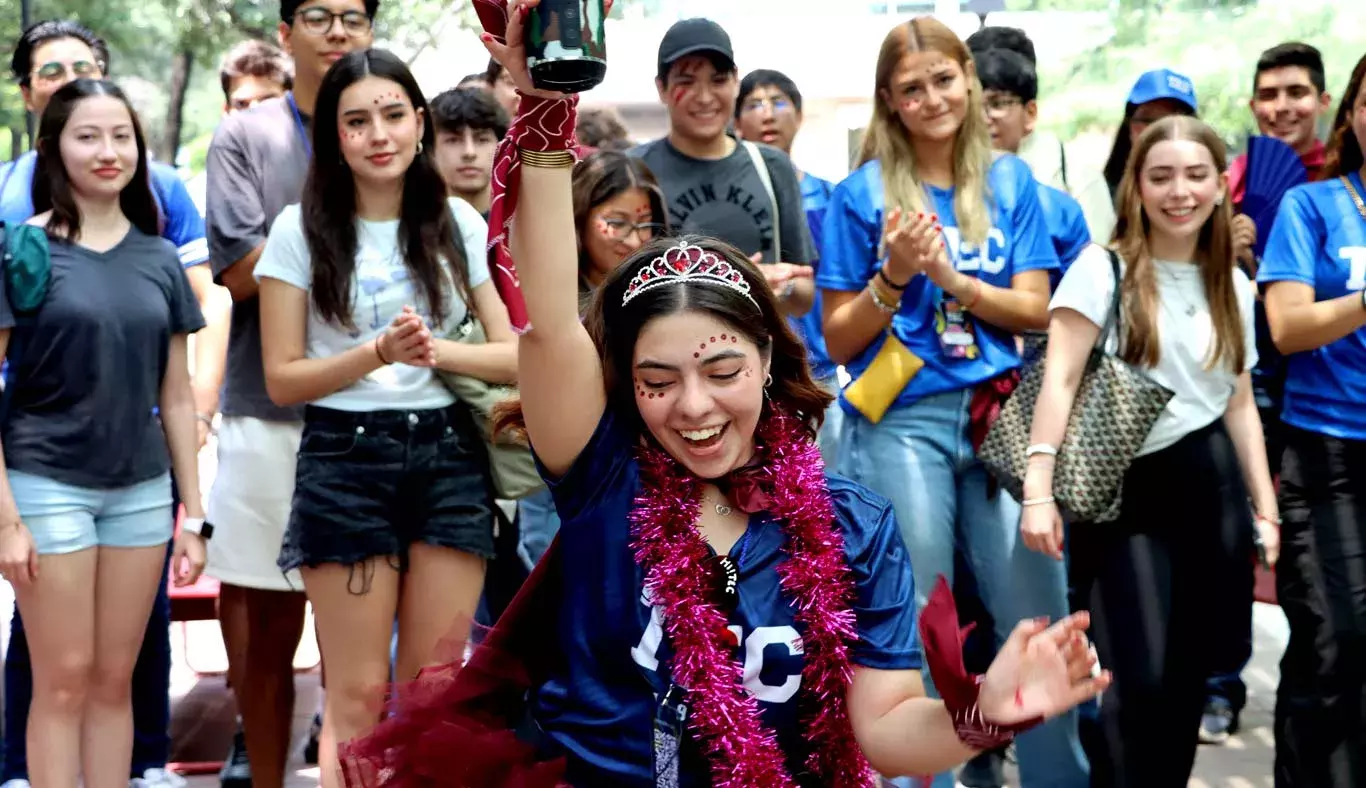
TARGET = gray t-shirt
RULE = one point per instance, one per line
(725, 199)
(89, 364)
(256, 166)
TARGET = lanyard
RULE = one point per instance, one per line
(299, 124)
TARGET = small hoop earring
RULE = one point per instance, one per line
(1219, 201)
(419, 147)
(768, 381)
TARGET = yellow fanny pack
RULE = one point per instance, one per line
(883, 381)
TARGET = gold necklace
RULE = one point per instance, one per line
(1356, 198)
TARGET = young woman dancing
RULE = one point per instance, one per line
(718, 610)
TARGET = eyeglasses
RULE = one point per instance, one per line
(318, 21)
(620, 230)
(1000, 105)
(57, 71)
(777, 105)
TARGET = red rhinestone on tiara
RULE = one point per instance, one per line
(687, 263)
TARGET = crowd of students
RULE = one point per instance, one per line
(700, 309)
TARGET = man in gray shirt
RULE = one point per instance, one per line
(256, 166)
(743, 193)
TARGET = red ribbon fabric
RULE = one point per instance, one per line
(542, 125)
(942, 643)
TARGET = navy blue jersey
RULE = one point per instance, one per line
(600, 702)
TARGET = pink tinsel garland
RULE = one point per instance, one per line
(815, 579)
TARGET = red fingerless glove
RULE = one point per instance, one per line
(942, 642)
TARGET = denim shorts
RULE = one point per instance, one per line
(64, 518)
(368, 484)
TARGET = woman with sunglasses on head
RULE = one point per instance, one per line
(99, 414)
(717, 610)
(935, 256)
(618, 207)
(1169, 583)
(391, 514)
(1314, 275)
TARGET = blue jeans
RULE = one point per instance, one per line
(829, 437)
(151, 687)
(537, 524)
(921, 458)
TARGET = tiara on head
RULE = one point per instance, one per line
(687, 263)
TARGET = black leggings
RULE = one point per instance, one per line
(1321, 585)
(1169, 587)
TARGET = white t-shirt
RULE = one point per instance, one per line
(1185, 338)
(381, 288)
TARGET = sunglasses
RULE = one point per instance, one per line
(56, 70)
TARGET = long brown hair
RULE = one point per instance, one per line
(888, 140)
(1213, 253)
(615, 327)
(52, 186)
(427, 231)
(602, 176)
(1343, 155)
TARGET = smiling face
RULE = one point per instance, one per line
(379, 130)
(99, 147)
(700, 390)
(1287, 106)
(699, 98)
(618, 227)
(769, 115)
(1179, 185)
(928, 91)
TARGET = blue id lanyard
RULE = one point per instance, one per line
(299, 124)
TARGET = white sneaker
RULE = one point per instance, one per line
(16, 784)
(152, 778)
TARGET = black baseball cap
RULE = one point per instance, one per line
(694, 37)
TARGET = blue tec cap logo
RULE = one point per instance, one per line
(1179, 84)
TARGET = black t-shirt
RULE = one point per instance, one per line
(91, 362)
(725, 199)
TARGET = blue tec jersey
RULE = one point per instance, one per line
(1319, 239)
(601, 701)
(815, 198)
(1066, 227)
(183, 225)
(1018, 241)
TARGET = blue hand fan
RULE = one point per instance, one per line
(1273, 168)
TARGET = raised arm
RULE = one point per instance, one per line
(558, 369)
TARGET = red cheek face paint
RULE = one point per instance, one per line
(679, 94)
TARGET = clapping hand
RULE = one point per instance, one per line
(1042, 671)
(408, 340)
(778, 275)
(915, 244)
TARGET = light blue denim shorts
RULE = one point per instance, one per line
(64, 518)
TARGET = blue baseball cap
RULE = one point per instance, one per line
(1164, 83)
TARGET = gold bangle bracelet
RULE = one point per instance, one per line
(549, 159)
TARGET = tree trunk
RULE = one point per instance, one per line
(175, 107)
(16, 142)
